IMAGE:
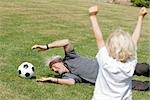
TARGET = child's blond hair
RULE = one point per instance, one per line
(120, 46)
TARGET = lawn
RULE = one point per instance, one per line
(24, 23)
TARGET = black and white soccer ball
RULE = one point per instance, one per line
(26, 70)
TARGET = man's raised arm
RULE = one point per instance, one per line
(97, 31)
(137, 30)
(56, 44)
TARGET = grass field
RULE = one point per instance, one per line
(24, 23)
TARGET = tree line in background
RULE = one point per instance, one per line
(138, 3)
(141, 3)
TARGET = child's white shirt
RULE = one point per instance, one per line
(114, 78)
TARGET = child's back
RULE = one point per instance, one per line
(117, 60)
(114, 78)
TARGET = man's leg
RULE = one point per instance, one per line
(140, 86)
(142, 69)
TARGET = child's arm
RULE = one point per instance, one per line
(137, 30)
(97, 31)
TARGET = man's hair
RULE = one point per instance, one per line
(54, 59)
(120, 46)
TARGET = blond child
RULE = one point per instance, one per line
(117, 60)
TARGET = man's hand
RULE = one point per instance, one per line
(40, 47)
(47, 79)
(143, 11)
(93, 10)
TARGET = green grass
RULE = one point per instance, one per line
(24, 23)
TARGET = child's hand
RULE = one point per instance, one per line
(143, 11)
(93, 10)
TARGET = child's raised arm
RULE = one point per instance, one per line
(137, 30)
(97, 31)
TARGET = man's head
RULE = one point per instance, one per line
(55, 59)
(56, 64)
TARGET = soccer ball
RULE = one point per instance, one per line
(26, 70)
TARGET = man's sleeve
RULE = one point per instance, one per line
(71, 55)
(72, 76)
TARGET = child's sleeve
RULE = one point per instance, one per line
(102, 55)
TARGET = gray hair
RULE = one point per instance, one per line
(54, 59)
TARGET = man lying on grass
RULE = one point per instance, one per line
(76, 69)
